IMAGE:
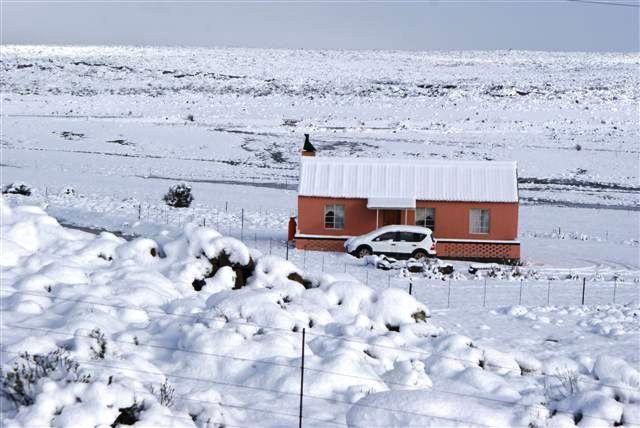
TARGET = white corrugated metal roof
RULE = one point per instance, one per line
(476, 181)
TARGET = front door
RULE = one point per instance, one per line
(390, 217)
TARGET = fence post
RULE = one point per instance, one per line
(548, 291)
(139, 211)
(520, 297)
(301, 379)
(226, 207)
(484, 295)
(410, 287)
(615, 286)
(584, 284)
(449, 294)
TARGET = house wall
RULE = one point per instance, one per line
(452, 218)
(452, 223)
(358, 219)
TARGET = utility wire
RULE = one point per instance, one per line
(275, 391)
(607, 3)
(340, 338)
(494, 400)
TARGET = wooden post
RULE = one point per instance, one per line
(301, 379)
(484, 294)
(520, 298)
(584, 284)
(410, 287)
(548, 291)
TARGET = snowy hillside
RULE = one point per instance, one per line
(196, 316)
(100, 133)
(202, 331)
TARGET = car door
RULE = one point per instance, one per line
(384, 243)
(407, 242)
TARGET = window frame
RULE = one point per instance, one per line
(335, 208)
(472, 223)
(424, 223)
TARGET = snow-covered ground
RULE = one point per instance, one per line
(165, 333)
(99, 134)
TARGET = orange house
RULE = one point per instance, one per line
(471, 206)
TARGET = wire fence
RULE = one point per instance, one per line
(297, 365)
(454, 291)
(250, 226)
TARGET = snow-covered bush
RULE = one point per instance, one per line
(17, 188)
(68, 191)
(166, 394)
(21, 383)
(179, 196)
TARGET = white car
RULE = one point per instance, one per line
(396, 240)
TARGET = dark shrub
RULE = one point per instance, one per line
(17, 189)
(179, 196)
(129, 415)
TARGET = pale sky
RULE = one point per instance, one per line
(553, 25)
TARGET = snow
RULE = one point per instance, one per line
(383, 354)
(408, 180)
(100, 149)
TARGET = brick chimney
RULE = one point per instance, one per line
(308, 149)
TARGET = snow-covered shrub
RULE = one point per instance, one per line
(17, 188)
(179, 196)
(99, 350)
(166, 394)
(562, 384)
(68, 191)
(20, 384)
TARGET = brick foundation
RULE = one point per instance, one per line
(481, 251)
(320, 244)
(485, 251)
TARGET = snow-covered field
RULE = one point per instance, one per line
(116, 331)
(101, 133)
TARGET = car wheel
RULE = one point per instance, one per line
(420, 255)
(363, 251)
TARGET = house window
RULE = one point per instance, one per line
(426, 217)
(479, 220)
(334, 216)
